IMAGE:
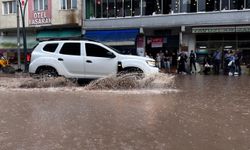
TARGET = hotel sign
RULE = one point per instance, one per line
(39, 17)
(221, 29)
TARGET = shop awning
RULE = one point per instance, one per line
(113, 37)
(58, 34)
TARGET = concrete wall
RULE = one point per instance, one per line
(60, 17)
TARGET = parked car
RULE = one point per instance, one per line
(85, 59)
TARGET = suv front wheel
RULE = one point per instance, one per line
(47, 72)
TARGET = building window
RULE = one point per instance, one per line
(111, 8)
(9, 7)
(236, 4)
(40, 5)
(224, 4)
(193, 6)
(105, 8)
(128, 7)
(212, 5)
(247, 4)
(136, 8)
(68, 4)
(119, 9)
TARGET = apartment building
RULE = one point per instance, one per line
(173, 25)
(44, 19)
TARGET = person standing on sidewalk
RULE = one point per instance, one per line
(192, 58)
(217, 61)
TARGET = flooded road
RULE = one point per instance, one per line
(196, 113)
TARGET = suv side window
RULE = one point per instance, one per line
(50, 47)
(71, 49)
(96, 50)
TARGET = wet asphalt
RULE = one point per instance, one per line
(198, 113)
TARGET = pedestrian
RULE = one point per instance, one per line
(207, 64)
(231, 63)
(158, 60)
(192, 58)
(238, 57)
(182, 59)
(217, 61)
(226, 61)
(167, 61)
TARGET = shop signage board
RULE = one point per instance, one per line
(221, 29)
(157, 42)
(39, 17)
(243, 29)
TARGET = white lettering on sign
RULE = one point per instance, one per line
(40, 18)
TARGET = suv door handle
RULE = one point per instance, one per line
(60, 59)
(88, 61)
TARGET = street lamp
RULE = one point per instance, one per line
(18, 36)
(22, 5)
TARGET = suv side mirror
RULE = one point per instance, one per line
(110, 55)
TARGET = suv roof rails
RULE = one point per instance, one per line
(65, 39)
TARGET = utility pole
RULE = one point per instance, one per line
(18, 37)
(24, 4)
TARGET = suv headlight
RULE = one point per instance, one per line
(151, 63)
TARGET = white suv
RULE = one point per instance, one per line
(84, 59)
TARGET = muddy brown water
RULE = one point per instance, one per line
(195, 113)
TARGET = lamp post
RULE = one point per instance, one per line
(18, 37)
(23, 5)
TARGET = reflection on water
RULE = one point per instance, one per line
(197, 112)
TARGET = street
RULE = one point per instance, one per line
(196, 113)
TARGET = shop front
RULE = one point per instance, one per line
(229, 38)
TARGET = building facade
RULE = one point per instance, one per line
(173, 25)
(44, 19)
(134, 26)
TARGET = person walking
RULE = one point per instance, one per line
(238, 57)
(207, 64)
(192, 58)
(217, 61)
(182, 59)
(231, 63)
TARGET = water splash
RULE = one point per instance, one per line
(131, 81)
(48, 82)
(127, 82)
